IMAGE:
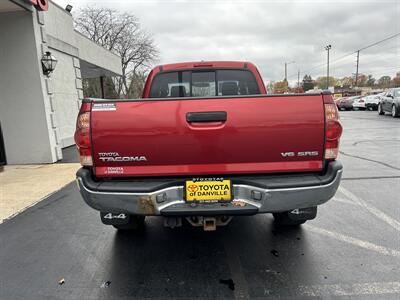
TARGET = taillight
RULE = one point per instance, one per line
(333, 129)
(82, 135)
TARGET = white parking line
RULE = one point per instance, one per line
(353, 241)
(371, 288)
(343, 200)
(373, 210)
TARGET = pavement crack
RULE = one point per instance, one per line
(375, 141)
(241, 290)
(370, 160)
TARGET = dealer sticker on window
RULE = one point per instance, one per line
(208, 190)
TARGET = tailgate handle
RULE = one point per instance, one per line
(213, 116)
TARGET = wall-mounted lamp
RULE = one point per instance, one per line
(49, 63)
(68, 8)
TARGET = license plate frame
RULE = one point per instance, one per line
(210, 195)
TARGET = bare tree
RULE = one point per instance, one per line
(120, 33)
(137, 82)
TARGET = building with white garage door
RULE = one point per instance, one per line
(38, 112)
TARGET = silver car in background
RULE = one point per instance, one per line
(359, 103)
(372, 101)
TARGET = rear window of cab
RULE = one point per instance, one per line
(204, 83)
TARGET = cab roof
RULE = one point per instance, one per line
(204, 64)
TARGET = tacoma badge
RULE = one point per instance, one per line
(114, 156)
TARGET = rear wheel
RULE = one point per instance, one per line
(395, 114)
(295, 217)
(135, 223)
(380, 110)
(282, 219)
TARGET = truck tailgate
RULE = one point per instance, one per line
(260, 134)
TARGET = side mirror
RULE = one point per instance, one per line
(389, 96)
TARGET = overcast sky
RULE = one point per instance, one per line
(270, 33)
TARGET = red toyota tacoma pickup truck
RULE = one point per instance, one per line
(206, 143)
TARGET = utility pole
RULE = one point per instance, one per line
(285, 71)
(358, 59)
(327, 48)
(298, 79)
(287, 63)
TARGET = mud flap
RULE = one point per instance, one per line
(301, 214)
(108, 218)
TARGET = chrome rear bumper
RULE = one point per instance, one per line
(247, 199)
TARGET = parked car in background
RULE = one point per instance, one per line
(337, 101)
(359, 103)
(345, 103)
(372, 101)
(390, 102)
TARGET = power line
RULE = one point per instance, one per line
(324, 64)
(334, 63)
(381, 41)
(374, 62)
(379, 75)
(348, 54)
(382, 69)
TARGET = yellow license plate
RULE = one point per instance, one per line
(208, 191)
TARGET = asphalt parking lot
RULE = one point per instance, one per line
(352, 249)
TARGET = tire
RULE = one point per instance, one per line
(135, 223)
(380, 110)
(395, 113)
(283, 219)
